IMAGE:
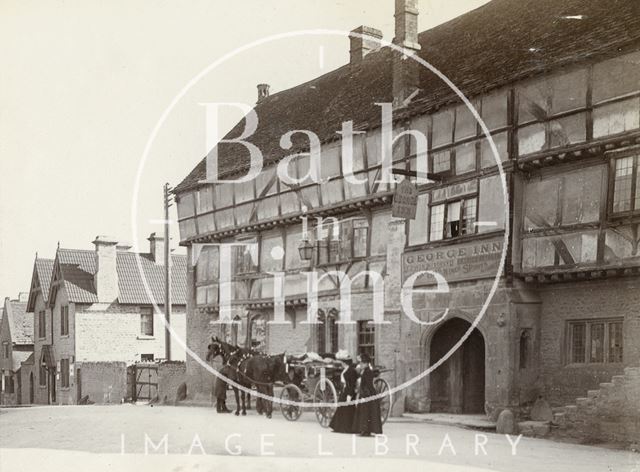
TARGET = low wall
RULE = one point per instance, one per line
(103, 382)
(171, 375)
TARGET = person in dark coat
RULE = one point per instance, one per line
(342, 421)
(367, 420)
(220, 390)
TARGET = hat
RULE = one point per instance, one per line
(364, 357)
(342, 355)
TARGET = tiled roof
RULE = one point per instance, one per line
(130, 282)
(20, 322)
(78, 267)
(491, 46)
(30, 359)
(18, 357)
(44, 269)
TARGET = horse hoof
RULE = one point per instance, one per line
(244, 413)
(237, 413)
(269, 416)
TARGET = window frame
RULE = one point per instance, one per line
(635, 188)
(327, 332)
(587, 341)
(5, 350)
(364, 328)
(64, 320)
(42, 324)
(144, 313)
(463, 200)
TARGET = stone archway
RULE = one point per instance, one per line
(458, 385)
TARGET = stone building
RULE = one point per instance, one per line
(16, 340)
(537, 241)
(92, 314)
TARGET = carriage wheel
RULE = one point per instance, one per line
(327, 394)
(382, 386)
(292, 393)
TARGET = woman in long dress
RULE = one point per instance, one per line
(342, 421)
(367, 420)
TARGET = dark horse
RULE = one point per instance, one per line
(248, 368)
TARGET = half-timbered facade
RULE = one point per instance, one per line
(558, 197)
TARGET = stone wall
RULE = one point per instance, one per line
(562, 382)
(170, 375)
(608, 414)
(103, 382)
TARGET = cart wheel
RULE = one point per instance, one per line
(291, 393)
(382, 386)
(325, 393)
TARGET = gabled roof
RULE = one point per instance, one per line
(489, 47)
(40, 279)
(44, 269)
(19, 320)
(77, 267)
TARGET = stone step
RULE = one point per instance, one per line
(606, 385)
(534, 429)
(560, 419)
(632, 371)
(582, 402)
(593, 393)
(618, 379)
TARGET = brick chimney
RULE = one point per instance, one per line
(406, 71)
(156, 248)
(362, 45)
(263, 92)
(106, 276)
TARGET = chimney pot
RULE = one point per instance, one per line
(106, 276)
(263, 91)
(406, 72)
(365, 40)
(156, 248)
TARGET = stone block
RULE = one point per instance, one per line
(534, 429)
(506, 423)
(541, 411)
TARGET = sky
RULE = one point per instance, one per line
(84, 83)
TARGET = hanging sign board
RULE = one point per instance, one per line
(405, 201)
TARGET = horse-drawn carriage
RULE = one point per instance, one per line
(318, 382)
(306, 379)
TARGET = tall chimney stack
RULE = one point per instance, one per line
(263, 92)
(406, 71)
(106, 276)
(156, 248)
(367, 40)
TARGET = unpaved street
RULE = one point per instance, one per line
(206, 436)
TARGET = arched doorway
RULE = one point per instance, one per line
(31, 389)
(457, 386)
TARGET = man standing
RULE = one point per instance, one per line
(220, 390)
